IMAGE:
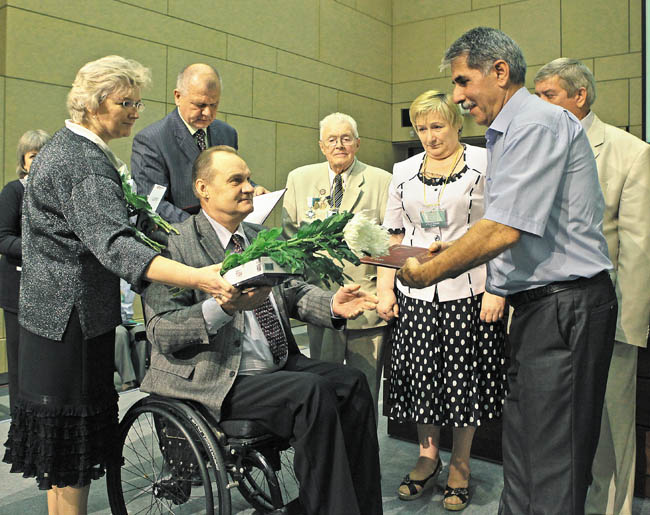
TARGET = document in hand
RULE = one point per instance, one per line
(263, 205)
(397, 256)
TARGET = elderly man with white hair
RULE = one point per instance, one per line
(623, 162)
(342, 183)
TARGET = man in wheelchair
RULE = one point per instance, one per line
(234, 352)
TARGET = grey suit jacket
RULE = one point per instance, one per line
(164, 152)
(187, 362)
(76, 240)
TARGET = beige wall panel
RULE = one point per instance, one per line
(284, 99)
(248, 52)
(122, 147)
(406, 11)
(237, 93)
(2, 325)
(470, 127)
(354, 41)
(542, 44)
(380, 9)
(296, 146)
(257, 147)
(400, 133)
(612, 102)
(32, 57)
(480, 4)
(407, 91)
(636, 99)
(417, 50)
(328, 102)
(153, 5)
(274, 26)
(636, 32)
(618, 66)
(3, 39)
(4, 177)
(4, 367)
(580, 18)
(377, 153)
(311, 70)
(373, 117)
(368, 87)
(134, 21)
(22, 113)
(637, 130)
(349, 3)
(457, 25)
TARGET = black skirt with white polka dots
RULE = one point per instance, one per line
(447, 367)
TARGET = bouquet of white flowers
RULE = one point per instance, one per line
(320, 246)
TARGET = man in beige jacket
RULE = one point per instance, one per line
(623, 162)
(342, 183)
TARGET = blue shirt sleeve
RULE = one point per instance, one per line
(523, 184)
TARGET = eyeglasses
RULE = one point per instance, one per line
(346, 140)
(130, 104)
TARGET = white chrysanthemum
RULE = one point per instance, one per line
(365, 237)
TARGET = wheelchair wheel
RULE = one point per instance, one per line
(266, 478)
(165, 464)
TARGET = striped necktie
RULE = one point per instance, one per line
(338, 191)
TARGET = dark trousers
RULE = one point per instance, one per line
(326, 411)
(11, 332)
(561, 346)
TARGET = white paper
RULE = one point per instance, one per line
(156, 195)
(263, 205)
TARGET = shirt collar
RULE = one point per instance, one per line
(509, 110)
(587, 121)
(344, 174)
(79, 130)
(192, 130)
(224, 234)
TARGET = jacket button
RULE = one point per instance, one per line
(232, 373)
(236, 343)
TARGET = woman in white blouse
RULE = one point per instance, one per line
(447, 365)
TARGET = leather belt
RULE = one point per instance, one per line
(523, 297)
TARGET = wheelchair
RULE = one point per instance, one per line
(172, 457)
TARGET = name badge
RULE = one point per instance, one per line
(435, 217)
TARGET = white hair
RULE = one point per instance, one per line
(338, 118)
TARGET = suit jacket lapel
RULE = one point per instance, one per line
(185, 140)
(353, 188)
(596, 135)
(208, 239)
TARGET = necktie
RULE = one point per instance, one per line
(338, 191)
(200, 139)
(266, 316)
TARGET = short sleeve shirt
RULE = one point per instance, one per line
(542, 180)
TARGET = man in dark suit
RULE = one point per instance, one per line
(164, 151)
(235, 354)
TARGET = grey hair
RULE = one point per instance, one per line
(484, 45)
(98, 79)
(573, 75)
(338, 118)
(184, 76)
(31, 141)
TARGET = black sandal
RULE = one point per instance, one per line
(461, 493)
(423, 484)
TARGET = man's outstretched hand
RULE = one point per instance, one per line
(350, 301)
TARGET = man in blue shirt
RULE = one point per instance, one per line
(542, 231)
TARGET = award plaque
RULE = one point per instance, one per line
(397, 256)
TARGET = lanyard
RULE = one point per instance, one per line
(458, 155)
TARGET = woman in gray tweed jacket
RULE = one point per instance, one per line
(77, 242)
